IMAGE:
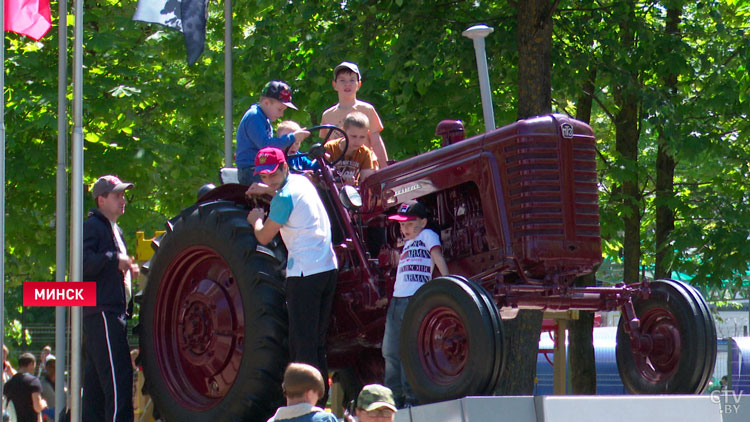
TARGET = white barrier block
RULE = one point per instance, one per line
(473, 409)
(735, 406)
(684, 408)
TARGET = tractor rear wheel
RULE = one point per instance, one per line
(213, 319)
(683, 342)
(459, 346)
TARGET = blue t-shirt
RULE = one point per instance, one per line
(255, 132)
(302, 162)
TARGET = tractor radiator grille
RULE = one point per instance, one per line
(552, 187)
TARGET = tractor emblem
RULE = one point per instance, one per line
(567, 130)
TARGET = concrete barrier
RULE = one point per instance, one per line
(687, 408)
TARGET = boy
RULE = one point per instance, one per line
(303, 387)
(255, 131)
(311, 269)
(299, 163)
(421, 253)
(359, 161)
(346, 82)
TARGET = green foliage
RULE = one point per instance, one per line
(16, 334)
(151, 119)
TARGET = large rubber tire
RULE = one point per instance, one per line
(459, 348)
(213, 319)
(684, 362)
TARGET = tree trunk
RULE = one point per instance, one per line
(581, 347)
(665, 166)
(534, 61)
(534, 98)
(580, 331)
(626, 144)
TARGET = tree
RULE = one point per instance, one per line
(665, 161)
(534, 35)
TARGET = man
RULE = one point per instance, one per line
(298, 213)
(25, 390)
(48, 387)
(108, 374)
(375, 403)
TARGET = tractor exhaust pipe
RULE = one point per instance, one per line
(477, 33)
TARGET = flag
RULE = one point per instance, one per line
(187, 16)
(28, 17)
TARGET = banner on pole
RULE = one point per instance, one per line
(187, 16)
(28, 17)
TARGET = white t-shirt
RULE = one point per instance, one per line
(121, 247)
(415, 265)
(305, 227)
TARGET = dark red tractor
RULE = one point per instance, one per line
(518, 213)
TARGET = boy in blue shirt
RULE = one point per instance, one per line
(303, 387)
(255, 130)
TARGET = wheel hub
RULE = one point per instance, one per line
(660, 360)
(199, 329)
(443, 345)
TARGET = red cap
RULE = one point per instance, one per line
(268, 159)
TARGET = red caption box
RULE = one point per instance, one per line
(54, 293)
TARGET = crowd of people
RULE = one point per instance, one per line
(29, 391)
(299, 216)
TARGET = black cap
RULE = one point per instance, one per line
(410, 210)
(280, 91)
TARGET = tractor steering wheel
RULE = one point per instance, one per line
(316, 150)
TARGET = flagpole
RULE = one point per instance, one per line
(228, 130)
(62, 202)
(2, 188)
(76, 217)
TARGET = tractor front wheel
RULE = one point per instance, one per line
(459, 346)
(679, 351)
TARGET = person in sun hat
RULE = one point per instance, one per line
(255, 130)
(108, 374)
(311, 271)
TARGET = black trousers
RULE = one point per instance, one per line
(309, 301)
(108, 373)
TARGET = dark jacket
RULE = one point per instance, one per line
(100, 265)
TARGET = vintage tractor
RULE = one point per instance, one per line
(518, 215)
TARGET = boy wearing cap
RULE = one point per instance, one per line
(303, 388)
(346, 82)
(311, 270)
(255, 130)
(108, 374)
(421, 253)
(375, 403)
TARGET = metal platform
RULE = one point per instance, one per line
(698, 408)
